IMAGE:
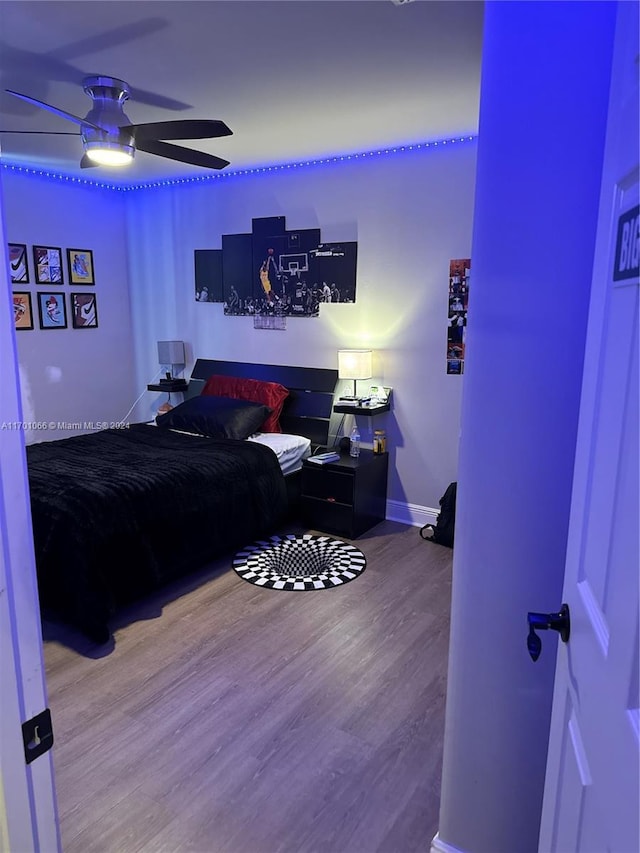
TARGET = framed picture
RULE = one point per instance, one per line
(52, 310)
(48, 265)
(22, 310)
(84, 312)
(80, 262)
(18, 263)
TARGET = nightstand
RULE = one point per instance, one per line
(346, 497)
(169, 387)
(176, 386)
(367, 411)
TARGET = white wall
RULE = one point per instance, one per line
(73, 375)
(542, 121)
(410, 213)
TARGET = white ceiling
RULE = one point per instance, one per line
(294, 79)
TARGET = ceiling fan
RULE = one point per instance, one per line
(110, 139)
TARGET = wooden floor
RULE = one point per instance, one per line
(232, 719)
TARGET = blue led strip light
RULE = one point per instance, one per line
(57, 176)
(260, 170)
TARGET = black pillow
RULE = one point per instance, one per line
(216, 417)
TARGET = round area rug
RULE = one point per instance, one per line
(299, 562)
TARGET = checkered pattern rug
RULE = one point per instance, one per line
(299, 562)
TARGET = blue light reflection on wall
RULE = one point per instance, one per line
(198, 179)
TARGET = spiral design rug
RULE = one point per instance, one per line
(299, 562)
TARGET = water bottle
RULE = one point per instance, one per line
(354, 446)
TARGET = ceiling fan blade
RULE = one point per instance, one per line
(87, 162)
(183, 155)
(143, 96)
(48, 132)
(179, 129)
(55, 110)
(109, 39)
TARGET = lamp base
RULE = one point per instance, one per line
(348, 395)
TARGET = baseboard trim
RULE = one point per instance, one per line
(440, 846)
(413, 514)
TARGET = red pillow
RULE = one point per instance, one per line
(269, 393)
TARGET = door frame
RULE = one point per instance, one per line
(28, 807)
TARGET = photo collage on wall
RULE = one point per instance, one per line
(276, 272)
(459, 276)
(49, 274)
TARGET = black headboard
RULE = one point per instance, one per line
(307, 409)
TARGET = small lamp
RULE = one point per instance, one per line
(171, 353)
(354, 364)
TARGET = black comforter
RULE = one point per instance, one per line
(121, 512)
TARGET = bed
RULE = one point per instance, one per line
(121, 512)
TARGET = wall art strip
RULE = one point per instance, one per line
(459, 276)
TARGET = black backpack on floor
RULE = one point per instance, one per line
(443, 532)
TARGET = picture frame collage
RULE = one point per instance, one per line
(49, 273)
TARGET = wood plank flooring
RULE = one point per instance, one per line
(232, 719)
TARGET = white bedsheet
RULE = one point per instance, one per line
(290, 449)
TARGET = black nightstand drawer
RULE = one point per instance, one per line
(346, 497)
(330, 517)
(327, 484)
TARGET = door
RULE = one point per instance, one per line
(28, 819)
(591, 792)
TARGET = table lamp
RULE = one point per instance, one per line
(355, 364)
(171, 354)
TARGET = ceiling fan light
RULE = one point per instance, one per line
(109, 153)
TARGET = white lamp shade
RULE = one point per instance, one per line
(171, 352)
(355, 364)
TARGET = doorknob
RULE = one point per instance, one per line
(559, 622)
